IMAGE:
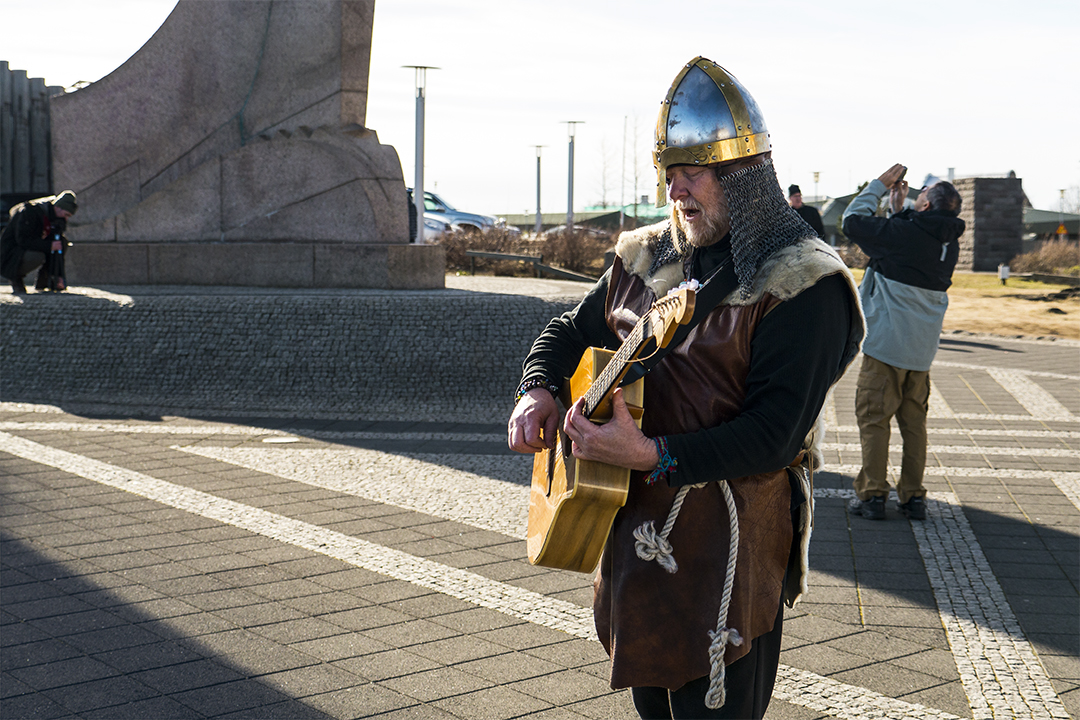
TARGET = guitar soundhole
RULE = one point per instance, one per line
(566, 448)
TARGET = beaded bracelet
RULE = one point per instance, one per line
(536, 382)
(666, 465)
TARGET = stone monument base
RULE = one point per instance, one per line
(259, 264)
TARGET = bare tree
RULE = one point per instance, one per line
(607, 167)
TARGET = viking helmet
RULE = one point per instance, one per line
(707, 117)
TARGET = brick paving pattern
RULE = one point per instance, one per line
(330, 564)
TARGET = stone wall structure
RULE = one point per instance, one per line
(993, 210)
(25, 144)
(231, 149)
(343, 354)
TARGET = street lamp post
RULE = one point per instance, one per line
(1062, 232)
(571, 126)
(539, 218)
(817, 175)
(418, 181)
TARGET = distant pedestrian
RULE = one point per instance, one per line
(808, 213)
(35, 231)
(912, 256)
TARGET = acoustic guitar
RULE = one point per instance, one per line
(572, 503)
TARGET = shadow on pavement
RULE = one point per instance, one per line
(72, 648)
(1036, 566)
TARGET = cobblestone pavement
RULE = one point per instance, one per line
(246, 567)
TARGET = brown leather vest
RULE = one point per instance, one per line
(654, 624)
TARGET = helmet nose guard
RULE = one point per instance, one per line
(707, 117)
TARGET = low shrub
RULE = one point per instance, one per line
(1056, 257)
(578, 250)
(852, 255)
(495, 240)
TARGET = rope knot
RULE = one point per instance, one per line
(721, 638)
(650, 545)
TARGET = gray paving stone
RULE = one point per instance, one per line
(311, 680)
(93, 543)
(370, 698)
(437, 684)
(458, 649)
(560, 688)
(493, 703)
(390, 663)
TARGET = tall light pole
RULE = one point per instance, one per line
(817, 174)
(622, 180)
(571, 126)
(418, 182)
(1062, 232)
(539, 219)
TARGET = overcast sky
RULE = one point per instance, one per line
(847, 88)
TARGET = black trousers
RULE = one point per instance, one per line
(749, 685)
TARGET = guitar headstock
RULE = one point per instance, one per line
(667, 313)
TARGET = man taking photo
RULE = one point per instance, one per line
(912, 256)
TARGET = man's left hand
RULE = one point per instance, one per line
(617, 442)
(897, 195)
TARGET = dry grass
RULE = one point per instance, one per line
(978, 303)
(1057, 257)
(579, 251)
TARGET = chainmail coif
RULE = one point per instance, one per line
(761, 220)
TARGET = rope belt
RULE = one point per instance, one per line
(650, 546)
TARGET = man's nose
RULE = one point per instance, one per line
(678, 188)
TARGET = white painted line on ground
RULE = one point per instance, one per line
(829, 409)
(1067, 482)
(239, 430)
(431, 485)
(14, 407)
(798, 687)
(853, 470)
(461, 584)
(938, 406)
(983, 432)
(242, 430)
(1033, 373)
(848, 702)
(999, 670)
(137, 429)
(1033, 397)
(967, 450)
(1004, 417)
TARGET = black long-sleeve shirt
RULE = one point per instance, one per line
(796, 356)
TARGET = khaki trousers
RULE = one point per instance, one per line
(884, 391)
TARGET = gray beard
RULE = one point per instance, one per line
(688, 240)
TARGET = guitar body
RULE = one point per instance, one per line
(572, 503)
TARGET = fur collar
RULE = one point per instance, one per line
(784, 275)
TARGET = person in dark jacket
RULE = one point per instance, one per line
(913, 253)
(35, 230)
(808, 213)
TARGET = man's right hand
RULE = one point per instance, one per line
(536, 411)
(890, 176)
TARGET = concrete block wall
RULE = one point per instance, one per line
(993, 210)
(338, 354)
(25, 137)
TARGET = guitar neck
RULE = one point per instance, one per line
(616, 368)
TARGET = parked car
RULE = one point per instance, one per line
(434, 224)
(458, 220)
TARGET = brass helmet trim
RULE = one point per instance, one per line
(707, 117)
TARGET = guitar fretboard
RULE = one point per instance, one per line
(616, 367)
